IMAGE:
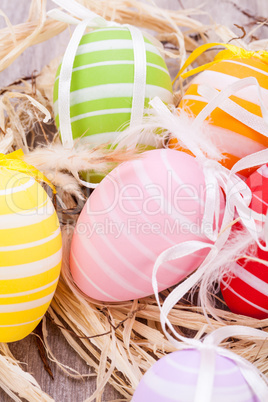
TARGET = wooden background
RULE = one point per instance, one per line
(62, 388)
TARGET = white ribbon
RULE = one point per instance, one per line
(217, 177)
(240, 202)
(214, 173)
(255, 379)
(139, 84)
(236, 200)
(182, 250)
(90, 19)
(220, 99)
(209, 346)
(77, 10)
(238, 197)
(233, 109)
(65, 85)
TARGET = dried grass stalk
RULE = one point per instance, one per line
(139, 340)
(37, 28)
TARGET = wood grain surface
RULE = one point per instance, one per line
(63, 388)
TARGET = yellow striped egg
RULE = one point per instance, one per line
(30, 254)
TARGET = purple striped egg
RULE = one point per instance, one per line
(140, 209)
(174, 378)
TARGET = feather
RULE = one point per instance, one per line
(239, 244)
(62, 165)
(162, 124)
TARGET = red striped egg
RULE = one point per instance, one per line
(175, 376)
(246, 292)
(140, 209)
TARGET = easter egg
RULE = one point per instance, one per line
(140, 209)
(233, 138)
(174, 378)
(246, 291)
(102, 83)
(30, 254)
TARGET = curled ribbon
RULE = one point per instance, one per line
(218, 178)
(209, 345)
(230, 52)
(214, 173)
(222, 101)
(14, 161)
(238, 197)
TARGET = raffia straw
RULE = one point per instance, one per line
(133, 339)
(38, 29)
(38, 8)
(6, 141)
(15, 381)
(138, 345)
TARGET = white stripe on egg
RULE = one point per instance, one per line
(114, 63)
(252, 280)
(102, 112)
(29, 292)
(244, 299)
(27, 217)
(112, 44)
(120, 257)
(138, 245)
(114, 91)
(12, 308)
(18, 189)
(21, 324)
(31, 268)
(32, 244)
(78, 266)
(171, 391)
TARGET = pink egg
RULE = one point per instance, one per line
(140, 209)
(174, 378)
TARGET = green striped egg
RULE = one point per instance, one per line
(102, 83)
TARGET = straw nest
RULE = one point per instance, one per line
(121, 340)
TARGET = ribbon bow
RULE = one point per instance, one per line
(230, 52)
(14, 161)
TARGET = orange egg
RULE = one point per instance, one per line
(233, 138)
